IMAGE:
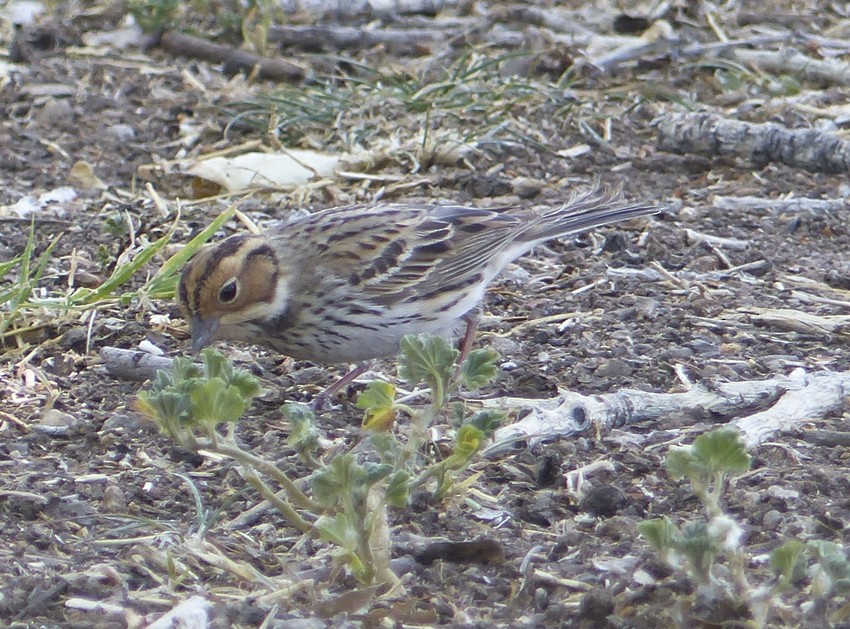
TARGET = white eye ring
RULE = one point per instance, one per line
(229, 291)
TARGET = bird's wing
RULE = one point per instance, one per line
(392, 252)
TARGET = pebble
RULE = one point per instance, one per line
(771, 520)
(120, 422)
(603, 501)
(596, 605)
(114, 500)
(614, 368)
(55, 112)
(122, 132)
(526, 188)
(688, 214)
(55, 423)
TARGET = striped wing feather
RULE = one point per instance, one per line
(390, 253)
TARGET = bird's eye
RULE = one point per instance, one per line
(229, 291)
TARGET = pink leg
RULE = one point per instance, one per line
(471, 328)
(325, 395)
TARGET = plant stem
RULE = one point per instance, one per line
(282, 505)
(298, 497)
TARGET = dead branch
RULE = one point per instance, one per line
(762, 143)
(669, 46)
(790, 320)
(717, 241)
(793, 399)
(824, 71)
(234, 59)
(133, 365)
(821, 394)
(321, 37)
(788, 205)
(547, 18)
(347, 9)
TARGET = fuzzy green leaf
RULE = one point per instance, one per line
(378, 395)
(398, 491)
(487, 421)
(388, 448)
(339, 529)
(832, 558)
(699, 548)
(340, 481)
(246, 382)
(216, 364)
(183, 369)
(722, 450)
(480, 368)
(682, 464)
(427, 358)
(378, 403)
(303, 435)
(660, 533)
(167, 406)
(375, 472)
(467, 442)
(215, 402)
(788, 562)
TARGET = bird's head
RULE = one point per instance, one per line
(228, 285)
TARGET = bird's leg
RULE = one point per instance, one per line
(326, 395)
(472, 318)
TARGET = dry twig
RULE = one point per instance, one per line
(793, 399)
(762, 143)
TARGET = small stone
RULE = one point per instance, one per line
(119, 422)
(596, 605)
(603, 501)
(548, 470)
(706, 348)
(703, 264)
(526, 188)
(122, 132)
(541, 336)
(55, 112)
(487, 186)
(613, 368)
(541, 599)
(688, 214)
(504, 345)
(56, 423)
(731, 348)
(676, 354)
(75, 338)
(113, 501)
(617, 528)
(55, 417)
(772, 520)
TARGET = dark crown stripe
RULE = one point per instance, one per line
(223, 250)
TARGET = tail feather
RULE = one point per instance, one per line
(586, 210)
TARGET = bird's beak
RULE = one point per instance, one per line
(203, 332)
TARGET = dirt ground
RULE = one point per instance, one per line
(96, 504)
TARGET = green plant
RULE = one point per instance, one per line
(24, 310)
(153, 15)
(473, 93)
(230, 17)
(20, 277)
(349, 495)
(700, 547)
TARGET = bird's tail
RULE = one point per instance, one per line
(584, 210)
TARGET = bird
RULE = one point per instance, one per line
(347, 284)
